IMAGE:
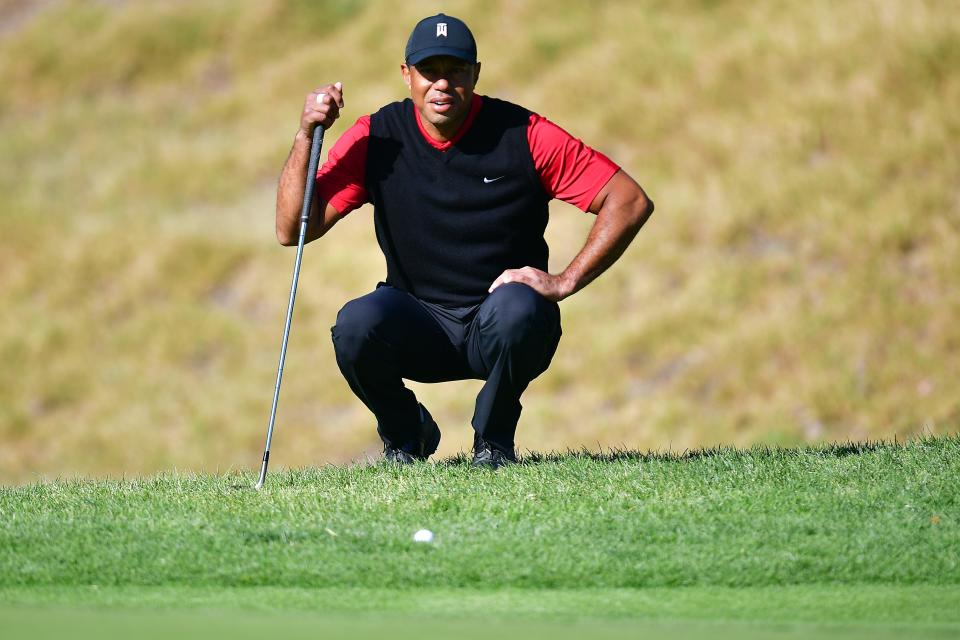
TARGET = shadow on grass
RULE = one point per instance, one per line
(614, 454)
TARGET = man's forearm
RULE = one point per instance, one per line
(614, 229)
(622, 208)
(291, 188)
(320, 109)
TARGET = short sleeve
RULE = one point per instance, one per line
(569, 170)
(341, 179)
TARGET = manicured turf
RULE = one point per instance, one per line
(442, 616)
(925, 606)
(846, 535)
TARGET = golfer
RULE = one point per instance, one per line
(459, 184)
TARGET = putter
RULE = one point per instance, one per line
(304, 217)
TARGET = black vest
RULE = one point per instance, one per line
(449, 222)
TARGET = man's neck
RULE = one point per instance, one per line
(445, 134)
(451, 133)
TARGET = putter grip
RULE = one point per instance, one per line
(312, 173)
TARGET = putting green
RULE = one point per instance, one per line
(867, 611)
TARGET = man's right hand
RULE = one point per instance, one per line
(290, 192)
(322, 107)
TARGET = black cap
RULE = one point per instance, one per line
(441, 35)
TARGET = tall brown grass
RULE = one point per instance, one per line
(797, 283)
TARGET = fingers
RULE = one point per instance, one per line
(322, 107)
(499, 281)
(524, 275)
(331, 94)
(547, 285)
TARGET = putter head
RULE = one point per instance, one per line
(263, 475)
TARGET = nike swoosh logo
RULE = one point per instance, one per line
(489, 180)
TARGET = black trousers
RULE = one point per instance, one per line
(387, 335)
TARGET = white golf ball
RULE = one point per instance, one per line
(320, 97)
(424, 535)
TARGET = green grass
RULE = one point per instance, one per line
(772, 612)
(797, 284)
(849, 535)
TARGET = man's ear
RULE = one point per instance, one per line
(476, 74)
(405, 72)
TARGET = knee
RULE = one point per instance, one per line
(356, 323)
(519, 315)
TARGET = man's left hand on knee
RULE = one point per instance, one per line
(551, 287)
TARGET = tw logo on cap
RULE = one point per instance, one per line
(442, 29)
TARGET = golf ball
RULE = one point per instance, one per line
(424, 535)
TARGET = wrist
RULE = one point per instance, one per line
(568, 285)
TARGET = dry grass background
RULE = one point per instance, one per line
(798, 281)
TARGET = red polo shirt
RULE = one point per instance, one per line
(569, 170)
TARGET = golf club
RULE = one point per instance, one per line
(304, 217)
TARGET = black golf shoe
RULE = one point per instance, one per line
(397, 456)
(487, 456)
(421, 448)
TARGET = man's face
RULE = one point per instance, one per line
(441, 88)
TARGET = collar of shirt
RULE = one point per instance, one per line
(475, 105)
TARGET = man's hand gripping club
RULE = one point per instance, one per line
(320, 108)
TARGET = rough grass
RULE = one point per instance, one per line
(797, 282)
(883, 514)
(856, 534)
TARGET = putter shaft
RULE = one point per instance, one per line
(304, 219)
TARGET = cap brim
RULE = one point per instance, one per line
(423, 54)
